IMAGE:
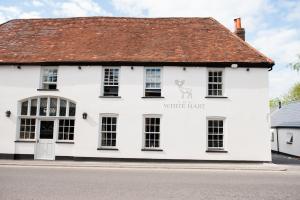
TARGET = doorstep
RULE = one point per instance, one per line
(146, 165)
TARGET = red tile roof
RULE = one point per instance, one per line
(132, 40)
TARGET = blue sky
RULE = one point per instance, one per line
(272, 26)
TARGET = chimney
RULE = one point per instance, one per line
(239, 31)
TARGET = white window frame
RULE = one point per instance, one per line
(103, 80)
(42, 82)
(144, 131)
(224, 133)
(222, 83)
(37, 117)
(145, 80)
(100, 130)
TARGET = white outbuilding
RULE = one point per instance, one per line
(105, 88)
(285, 129)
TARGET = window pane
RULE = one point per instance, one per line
(24, 108)
(53, 106)
(111, 82)
(63, 107)
(27, 129)
(72, 109)
(152, 132)
(49, 78)
(215, 83)
(33, 107)
(66, 131)
(43, 106)
(152, 82)
(215, 134)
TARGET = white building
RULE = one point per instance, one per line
(126, 88)
(285, 129)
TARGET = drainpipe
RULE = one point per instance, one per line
(277, 140)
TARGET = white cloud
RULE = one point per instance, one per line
(13, 12)
(224, 11)
(281, 44)
(78, 8)
(281, 81)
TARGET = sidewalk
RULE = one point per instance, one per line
(147, 165)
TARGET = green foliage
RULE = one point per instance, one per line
(291, 96)
(296, 66)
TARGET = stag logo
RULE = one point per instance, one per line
(185, 92)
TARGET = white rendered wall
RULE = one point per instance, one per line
(183, 130)
(274, 142)
(284, 147)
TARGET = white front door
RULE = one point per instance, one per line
(44, 148)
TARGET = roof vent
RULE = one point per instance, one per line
(239, 31)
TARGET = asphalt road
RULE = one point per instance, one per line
(284, 159)
(141, 184)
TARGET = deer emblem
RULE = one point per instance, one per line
(185, 92)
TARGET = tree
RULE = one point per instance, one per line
(291, 96)
(296, 65)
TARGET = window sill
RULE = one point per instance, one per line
(115, 97)
(216, 151)
(64, 142)
(108, 149)
(153, 97)
(216, 97)
(146, 149)
(25, 141)
(47, 90)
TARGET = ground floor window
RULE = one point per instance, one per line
(108, 133)
(152, 132)
(215, 134)
(34, 110)
(66, 129)
(27, 128)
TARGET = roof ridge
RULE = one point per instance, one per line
(244, 42)
(105, 17)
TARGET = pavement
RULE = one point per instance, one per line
(146, 165)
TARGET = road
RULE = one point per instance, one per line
(143, 184)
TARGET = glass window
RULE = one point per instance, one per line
(111, 82)
(152, 132)
(63, 107)
(33, 107)
(66, 129)
(108, 131)
(27, 129)
(43, 106)
(72, 109)
(24, 108)
(215, 134)
(215, 83)
(153, 81)
(53, 107)
(49, 78)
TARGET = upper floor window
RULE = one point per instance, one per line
(111, 81)
(49, 78)
(215, 134)
(215, 83)
(108, 133)
(152, 81)
(152, 131)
